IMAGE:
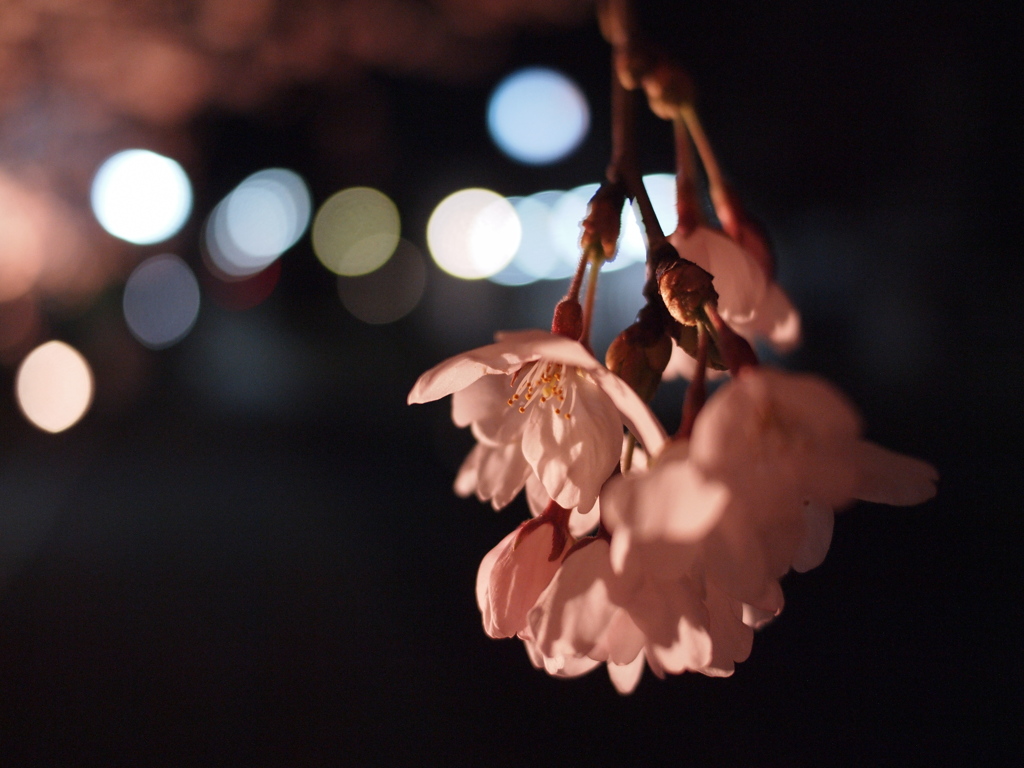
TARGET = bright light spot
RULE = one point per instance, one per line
(389, 293)
(141, 197)
(262, 218)
(356, 231)
(537, 116)
(54, 386)
(161, 301)
(536, 258)
(473, 233)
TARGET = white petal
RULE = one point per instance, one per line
(518, 577)
(505, 356)
(574, 456)
(635, 414)
(755, 618)
(483, 405)
(774, 319)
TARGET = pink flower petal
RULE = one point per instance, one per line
(673, 617)
(737, 277)
(520, 574)
(731, 639)
(507, 355)
(494, 474)
(574, 456)
(776, 319)
(572, 666)
(483, 406)
(572, 614)
(887, 477)
(819, 520)
(634, 412)
(674, 501)
(483, 576)
(755, 618)
(626, 677)
(580, 523)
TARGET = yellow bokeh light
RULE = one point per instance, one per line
(473, 233)
(54, 386)
(356, 231)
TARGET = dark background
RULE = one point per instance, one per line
(248, 552)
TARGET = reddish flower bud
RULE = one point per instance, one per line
(685, 288)
(638, 358)
(669, 88)
(568, 319)
(604, 218)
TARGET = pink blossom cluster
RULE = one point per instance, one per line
(668, 555)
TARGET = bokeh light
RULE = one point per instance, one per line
(537, 257)
(389, 293)
(356, 231)
(537, 115)
(473, 233)
(263, 217)
(22, 253)
(161, 301)
(552, 224)
(54, 386)
(141, 197)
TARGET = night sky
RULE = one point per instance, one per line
(248, 553)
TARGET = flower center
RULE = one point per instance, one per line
(545, 381)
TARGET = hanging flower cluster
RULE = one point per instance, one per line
(646, 549)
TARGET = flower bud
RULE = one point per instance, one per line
(685, 288)
(639, 357)
(604, 218)
(568, 319)
(632, 63)
(669, 88)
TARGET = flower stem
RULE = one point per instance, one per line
(588, 300)
(624, 165)
(687, 205)
(627, 455)
(722, 201)
(696, 393)
(736, 352)
(577, 279)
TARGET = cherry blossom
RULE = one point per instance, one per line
(771, 456)
(677, 624)
(513, 574)
(538, 402)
